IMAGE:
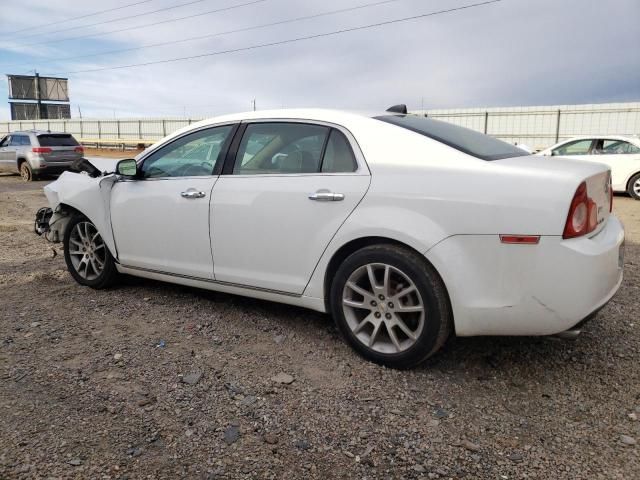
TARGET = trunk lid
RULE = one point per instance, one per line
(572, 172)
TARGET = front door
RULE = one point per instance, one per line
(7, 157)
(291, 187)
(161, 220)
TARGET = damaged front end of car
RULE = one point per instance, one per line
(83, 190)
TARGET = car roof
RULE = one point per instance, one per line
(37, 132)
(631, 138)
(627, 138)
(315, 114)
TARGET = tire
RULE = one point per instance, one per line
(634, 187)
(26, 172)
(407, 291)
(87, 257)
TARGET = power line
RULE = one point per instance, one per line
(48, 24)
(113, 20)
(285, 42)
(211, 35)
(98, 34)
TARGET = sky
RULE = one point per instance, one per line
(508, 53)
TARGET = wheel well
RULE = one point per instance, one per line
(346, 250)
(71, 210)
(21, 160)
(631, 178)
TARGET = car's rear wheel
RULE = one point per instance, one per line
(86, 255)
(26, 172)
(634, 186)
(391, 305)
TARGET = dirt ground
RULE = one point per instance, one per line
(148, 380)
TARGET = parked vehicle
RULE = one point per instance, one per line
(404, 228)
(37, 152)
(621, 154)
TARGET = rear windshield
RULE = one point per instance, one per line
(467, 141)
(57, 140)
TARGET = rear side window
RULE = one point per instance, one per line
(293, 148)
(468, 141)
(338, 157)
(277, 148)
(57, 140)
(617, 147)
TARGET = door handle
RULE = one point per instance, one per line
(324, 196)
(192, 193)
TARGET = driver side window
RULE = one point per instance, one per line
(578, 147)
(194, 155)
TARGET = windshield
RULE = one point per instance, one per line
(463, 139)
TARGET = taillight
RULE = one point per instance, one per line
(79, 149)
(583, 214)
(41, 150)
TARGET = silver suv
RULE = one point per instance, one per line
(38, 152)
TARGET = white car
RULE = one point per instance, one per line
(404, 228)
(621, 154)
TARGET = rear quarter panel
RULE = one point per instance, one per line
(423, 192)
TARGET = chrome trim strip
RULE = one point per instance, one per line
(226, 284)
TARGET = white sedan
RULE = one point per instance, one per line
(404, 228)
(621, 154)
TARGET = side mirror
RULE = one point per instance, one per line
(127, 168)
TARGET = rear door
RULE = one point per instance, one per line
(286, 190)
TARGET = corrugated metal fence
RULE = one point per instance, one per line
(540, 127)
(537, 127)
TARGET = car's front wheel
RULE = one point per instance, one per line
(391, 305)
(86, 255)
(634, 186)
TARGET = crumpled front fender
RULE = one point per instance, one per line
(90, 196)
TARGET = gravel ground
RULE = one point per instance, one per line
(149, 380)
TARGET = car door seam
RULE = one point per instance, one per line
(334, 236)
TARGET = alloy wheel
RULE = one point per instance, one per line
(87, 250)
(25, 173)
(383, 308)
(636, 187)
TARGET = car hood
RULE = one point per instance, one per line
(104, 164)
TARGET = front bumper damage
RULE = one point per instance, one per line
(84, 190)
(51, 224)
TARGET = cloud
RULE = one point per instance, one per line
(516, 52)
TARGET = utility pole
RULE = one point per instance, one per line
(253, 102)
(38, 96)
(79, 112)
